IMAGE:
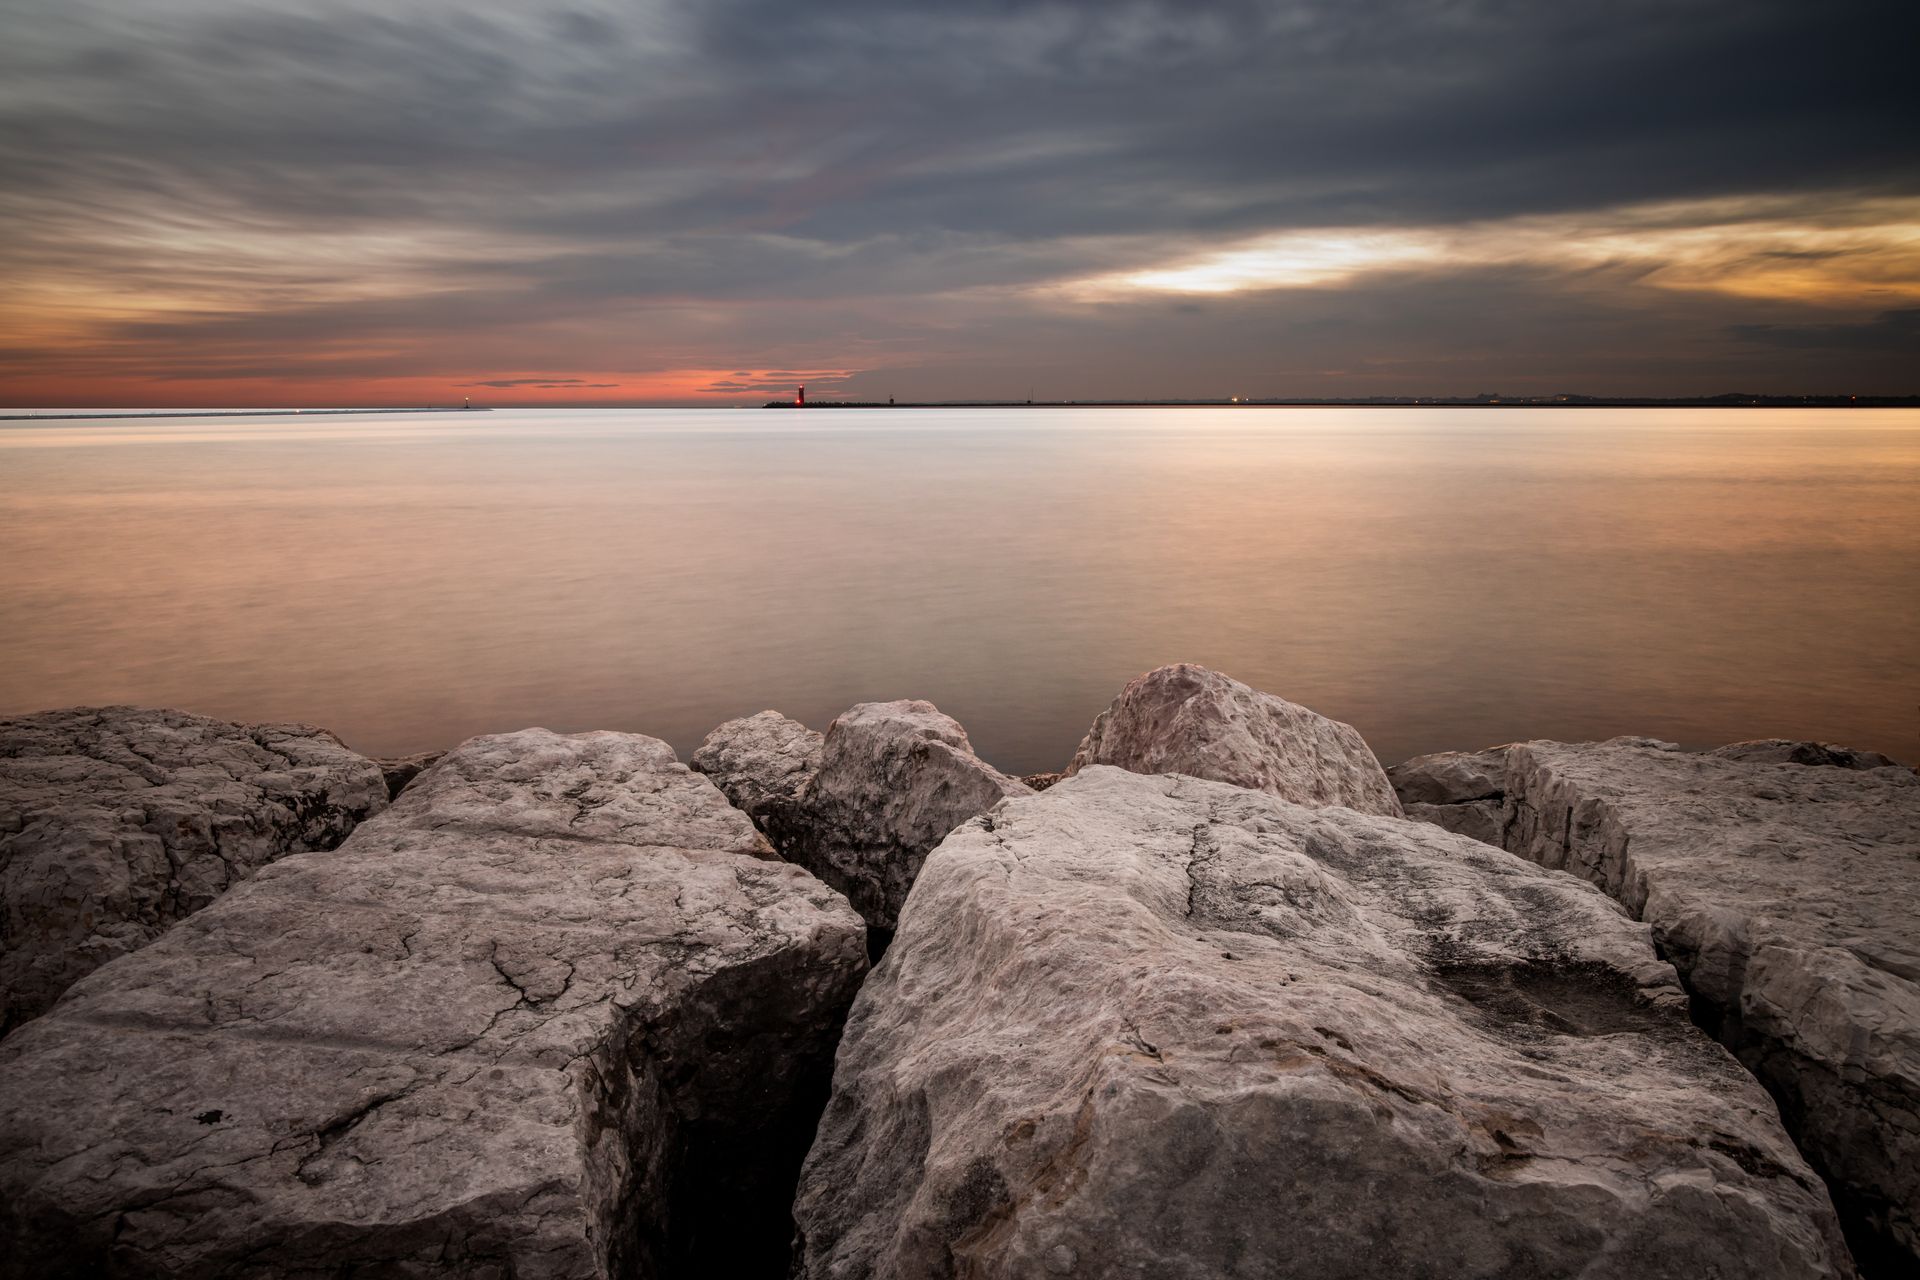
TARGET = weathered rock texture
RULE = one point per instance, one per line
(1188, 719)
(762, 762)
(1787, 751)
(1788, 898)
(893, 779)
(551, 1015)
(1461, 791)
(1153, 1026)
(117, 821)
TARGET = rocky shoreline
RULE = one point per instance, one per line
(1221, 998)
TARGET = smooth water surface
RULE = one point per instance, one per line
(1440, 578)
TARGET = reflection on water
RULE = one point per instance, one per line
(1445, 578)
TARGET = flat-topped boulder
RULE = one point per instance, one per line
(1156, 1026)
(117, 821)
(892, 779)
(762, 763)
(1188, 719)
(1788, 898)
(1461, 791)
(553, 1014)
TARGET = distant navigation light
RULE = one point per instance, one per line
(800, 399)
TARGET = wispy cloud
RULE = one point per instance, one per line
(1831, 250)
(544, 383)
(690, 200)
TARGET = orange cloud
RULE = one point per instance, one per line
(26, 388)
(1866, 251)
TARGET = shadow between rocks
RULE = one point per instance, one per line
(712, 1139)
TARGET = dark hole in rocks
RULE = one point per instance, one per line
(211, 1117)
(1575, 999)
(878, 940)
(718, 1104)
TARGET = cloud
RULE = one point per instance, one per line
(344, 190)
(547, 383)
(1894, 331)
(1753, 246)
(780, 382)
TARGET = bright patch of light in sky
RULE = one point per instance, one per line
(1869, 250)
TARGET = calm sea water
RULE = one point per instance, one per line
(1440, 578)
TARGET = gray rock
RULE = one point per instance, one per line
(1460, 791)
(762, 762)
(400, 771)
(1787, 751)
(1188, 719)
(1787, 898)
(117, 821)
(550, 1015)
(1153, 1026)
(894, 779)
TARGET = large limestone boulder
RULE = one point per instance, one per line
(117, 821)
(553, 1014)
(893, 779)
(762, 763)
(1788, 897)
(1460, 791)
(1154, 1026)
(1188, 719)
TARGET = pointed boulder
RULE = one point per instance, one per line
(1188, 719)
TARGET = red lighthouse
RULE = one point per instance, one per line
(800, 399)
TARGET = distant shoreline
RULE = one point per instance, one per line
(228, 413)
(1733, 401)
(1379, 402)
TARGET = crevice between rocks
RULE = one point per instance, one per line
(1792, 1080)
(1785, 1074)
(696, 1121)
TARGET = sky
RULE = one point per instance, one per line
(305, 202)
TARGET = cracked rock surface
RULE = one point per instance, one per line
(117, 821)
(553, 1014)
(893, 779)
(1787, 897)
(1192, 720)
(1155, 1026)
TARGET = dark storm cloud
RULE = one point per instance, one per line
(425, 170)
(846, 119)
(1889, 331)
